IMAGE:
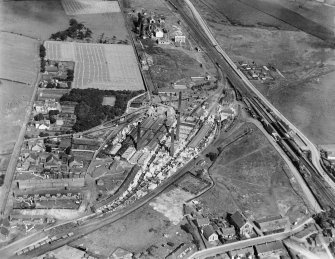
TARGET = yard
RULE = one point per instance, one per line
(102, 66)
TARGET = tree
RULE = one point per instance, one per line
(212, 156)
(48, 149)
(43, 134)
(42, 51)
(52, 120)
(38, 117)
(53, 112)
(73, 22)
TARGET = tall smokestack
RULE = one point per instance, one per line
(178, 125)
(172, 143)
(179, 103)
(138, 144)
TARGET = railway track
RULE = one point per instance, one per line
(320, 192)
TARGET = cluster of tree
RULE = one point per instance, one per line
(52, 116)
(325, 219)
(75, 31)
(42, 56)
(90, 112)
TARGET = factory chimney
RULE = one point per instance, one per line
(178, 116)
(172, 144)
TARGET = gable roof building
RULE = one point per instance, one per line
(244, 227)
(209, 233)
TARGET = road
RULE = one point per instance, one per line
(240, 81)
(248, 242)
(6, 188)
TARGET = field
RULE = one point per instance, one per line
(254, 179)
(75, 7)
(38, 19)
(102, 66)
(19, 59)
(305, 96)
(144, 229)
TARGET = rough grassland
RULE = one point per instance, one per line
(33, 18)
(255, 179)
(306, 94)
(136, 232)
(19, 59)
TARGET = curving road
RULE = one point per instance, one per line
(248, 242)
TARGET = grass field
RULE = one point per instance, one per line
(35, 18)
(19, 59)
(256, 179)
(102, 66)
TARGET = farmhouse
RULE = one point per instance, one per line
(243, 226)
(209, 233)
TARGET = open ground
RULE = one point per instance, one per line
(305, 96)
(102, 66)
(252, 177)
(144, 229)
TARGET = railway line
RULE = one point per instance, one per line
(299, 159)
(243, 89)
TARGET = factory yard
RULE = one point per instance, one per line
(102, 66)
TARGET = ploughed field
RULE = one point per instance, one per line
(102, 66)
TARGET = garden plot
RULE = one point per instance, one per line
(102, 66)
(77, 7)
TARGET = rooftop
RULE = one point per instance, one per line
(270, 247)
